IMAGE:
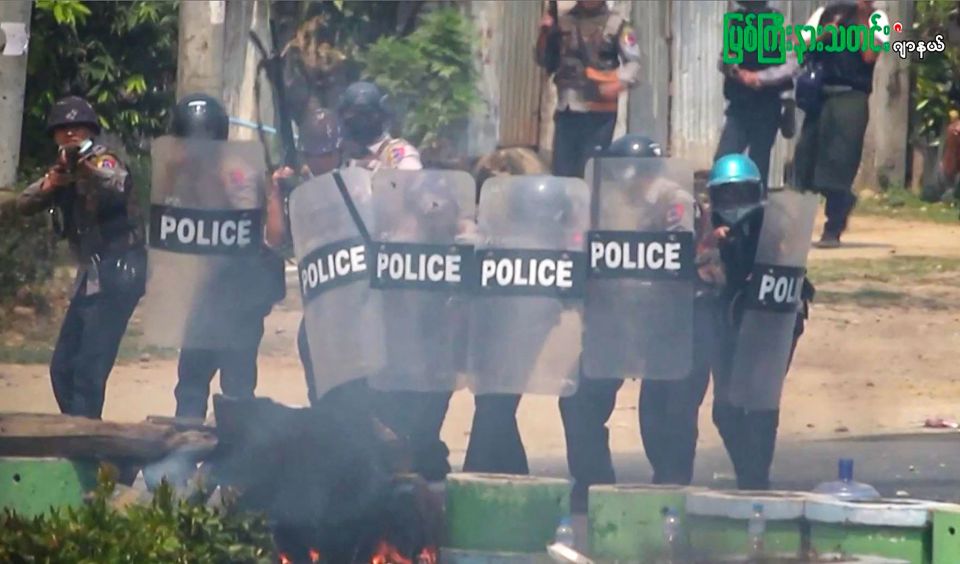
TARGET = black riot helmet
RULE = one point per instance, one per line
(364, 112)
(634, 145)
(201, 116)
(543, 203)
(72, 110)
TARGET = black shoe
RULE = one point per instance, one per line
(828, 241)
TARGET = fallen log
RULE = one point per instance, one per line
(63, 436)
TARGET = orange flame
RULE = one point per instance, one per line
(284, 559)
(427, 556)
(314, 555)
(388, 554)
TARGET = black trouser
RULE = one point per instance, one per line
(668, 421)
(576, 135)
(87, 348)
(418, 417)
(752, 129)
(495, 444)
(197, 367)
(839, 205)
(669, 409)
(303, 349)
(585, 415)
(670, 432)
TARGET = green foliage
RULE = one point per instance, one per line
(937, 74)
(121, 56)
(899, 203)
(27, 250)
(429, 73)
(166, 530)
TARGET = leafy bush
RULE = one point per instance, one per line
(122, 56)
(429, 73)
(937, 74)
(27, 250)
(166, 530)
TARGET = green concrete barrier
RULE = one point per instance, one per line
(946, 535)
(894, 528)
(31, 486)
(718, 522)
(501, 513)
(626, 521)
(453, 556)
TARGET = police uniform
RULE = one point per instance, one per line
(585, 414)
(830, 147)
(199, 115)
(98, 216)
(669, 410)
(753, 116)
(415, 416)
(389, 152)
(237, 365)
(593, 42)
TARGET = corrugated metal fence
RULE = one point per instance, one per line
(681, 98)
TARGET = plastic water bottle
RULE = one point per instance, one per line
(564, 534)
(845, 488)
(671, 534)
(756, 528)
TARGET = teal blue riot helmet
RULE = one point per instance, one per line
(736, 189)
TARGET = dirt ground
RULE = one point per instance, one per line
(878, 355)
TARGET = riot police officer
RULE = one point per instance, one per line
(509, 334)
(204, 117)
(585, 414)
(319, 145)
(593, 55)
(365, 114)
(415, 416)
(91, 198)
(726, 254)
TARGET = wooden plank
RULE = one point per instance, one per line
(63, 436)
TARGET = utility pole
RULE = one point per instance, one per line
(200, 56)
(14, 33)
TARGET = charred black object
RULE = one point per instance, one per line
(329, 478)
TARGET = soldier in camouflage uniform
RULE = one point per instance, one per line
(90, 196)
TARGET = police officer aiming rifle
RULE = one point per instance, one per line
(90, 195)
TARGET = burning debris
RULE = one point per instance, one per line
(331, 480)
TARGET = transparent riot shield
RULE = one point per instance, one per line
(209, 276)
(772, 301)
(525, 319)
(638, 308)
(343, 316)
(423, 224)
